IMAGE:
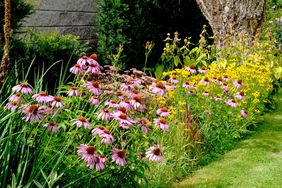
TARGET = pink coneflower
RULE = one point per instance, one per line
(94, 87)
(23, 88)
(42, 97)
(202, 70)
(99, 130)
(244, 113)
(163, 112)
(136, 102)
(104, 115)
(94, 100)
(219, 80)
(76, 69)
(33, 113)
(158, 88)
(93, 67)
(125, 125)
(154, 153)
(119, 156)
(119, 94)
(130, 80)
(84, 61)
(50, 110)
(143, 124)
(119, 111)
(125, 87)
(191, 92)
(15, 98)
(73, 92)
(191, 69)
(98, 163)
(231, 102)
(238, 83)
(224, 86)
(107, 138)
(112, 103)
(161, 122)
(123, 119)
(126, 104)
(205, 81)
(87, 153)
(217, 98)
(214, 79)
(240, 95)
(187, 85)
(206, 93)
(225, 78)
(57, 102)
(169, 86)
(174, 80)
(12, 105)
(51, 126)
(81, 121)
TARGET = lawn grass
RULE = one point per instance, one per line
(256, 162)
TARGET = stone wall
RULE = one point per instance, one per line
(77, 17)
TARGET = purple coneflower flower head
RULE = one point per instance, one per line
(42, 97)
(205, 81)
(119, 111)
(73, 92)
(224, 86)
(244, 113)
(154, 153)
(119, 94)
(225, 78)
(136, 102)
(240, 95)
(123, 119)
(94, 100)
(191, 92)
(202, 70)
(187, 85)
(112, 103)
(15, 98)
(76, 69)
(161, 122)
(126, 104)
(125, 125)
(52, 127)
(125, 87)
(57, 102)
(87, 153)
(214, 79)
(238, 83)
(33, 113)
(226, 91)
(12, 105)
(206, 93)
(169, 86)
(107, 138)
(219, 80)
(231, 102)
(99, 163)
(135, 81)
(143, 124)
(158, 88)
(174, 80)
(191, 69)
(99, 130)
(104, 115)
(217, 98)
(163, 112)
(93, 67)
(84, 61)
(119, 156)
(81, 121)
(22, 88)
(94, 87)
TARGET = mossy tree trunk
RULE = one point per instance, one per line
(229, 18)
(7, 33)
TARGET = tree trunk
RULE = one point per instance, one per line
(230, 18)
(7, 33)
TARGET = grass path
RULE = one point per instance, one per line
(255, 163)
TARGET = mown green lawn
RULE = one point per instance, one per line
(256, 162)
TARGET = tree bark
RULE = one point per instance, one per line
(7, 33)
(230, 18)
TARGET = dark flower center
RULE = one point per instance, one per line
(122, 109)
(57, 98)
(84, 57)
(164, 109)
(157, 151)
(138, 98)
(52, 123)
(101, 127)
(119, 93)
(163, 121)
(206, 79)
(123, 116)
(242, 93)
(74, 88)
(90, 150)
(95, 84)
(240, 82)
(33, 109)
(82, 119)
(42, 93)
(160, 85)
(77, 65)
(107, 131)
(121, 153)
(24, 84)
(113, 101)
